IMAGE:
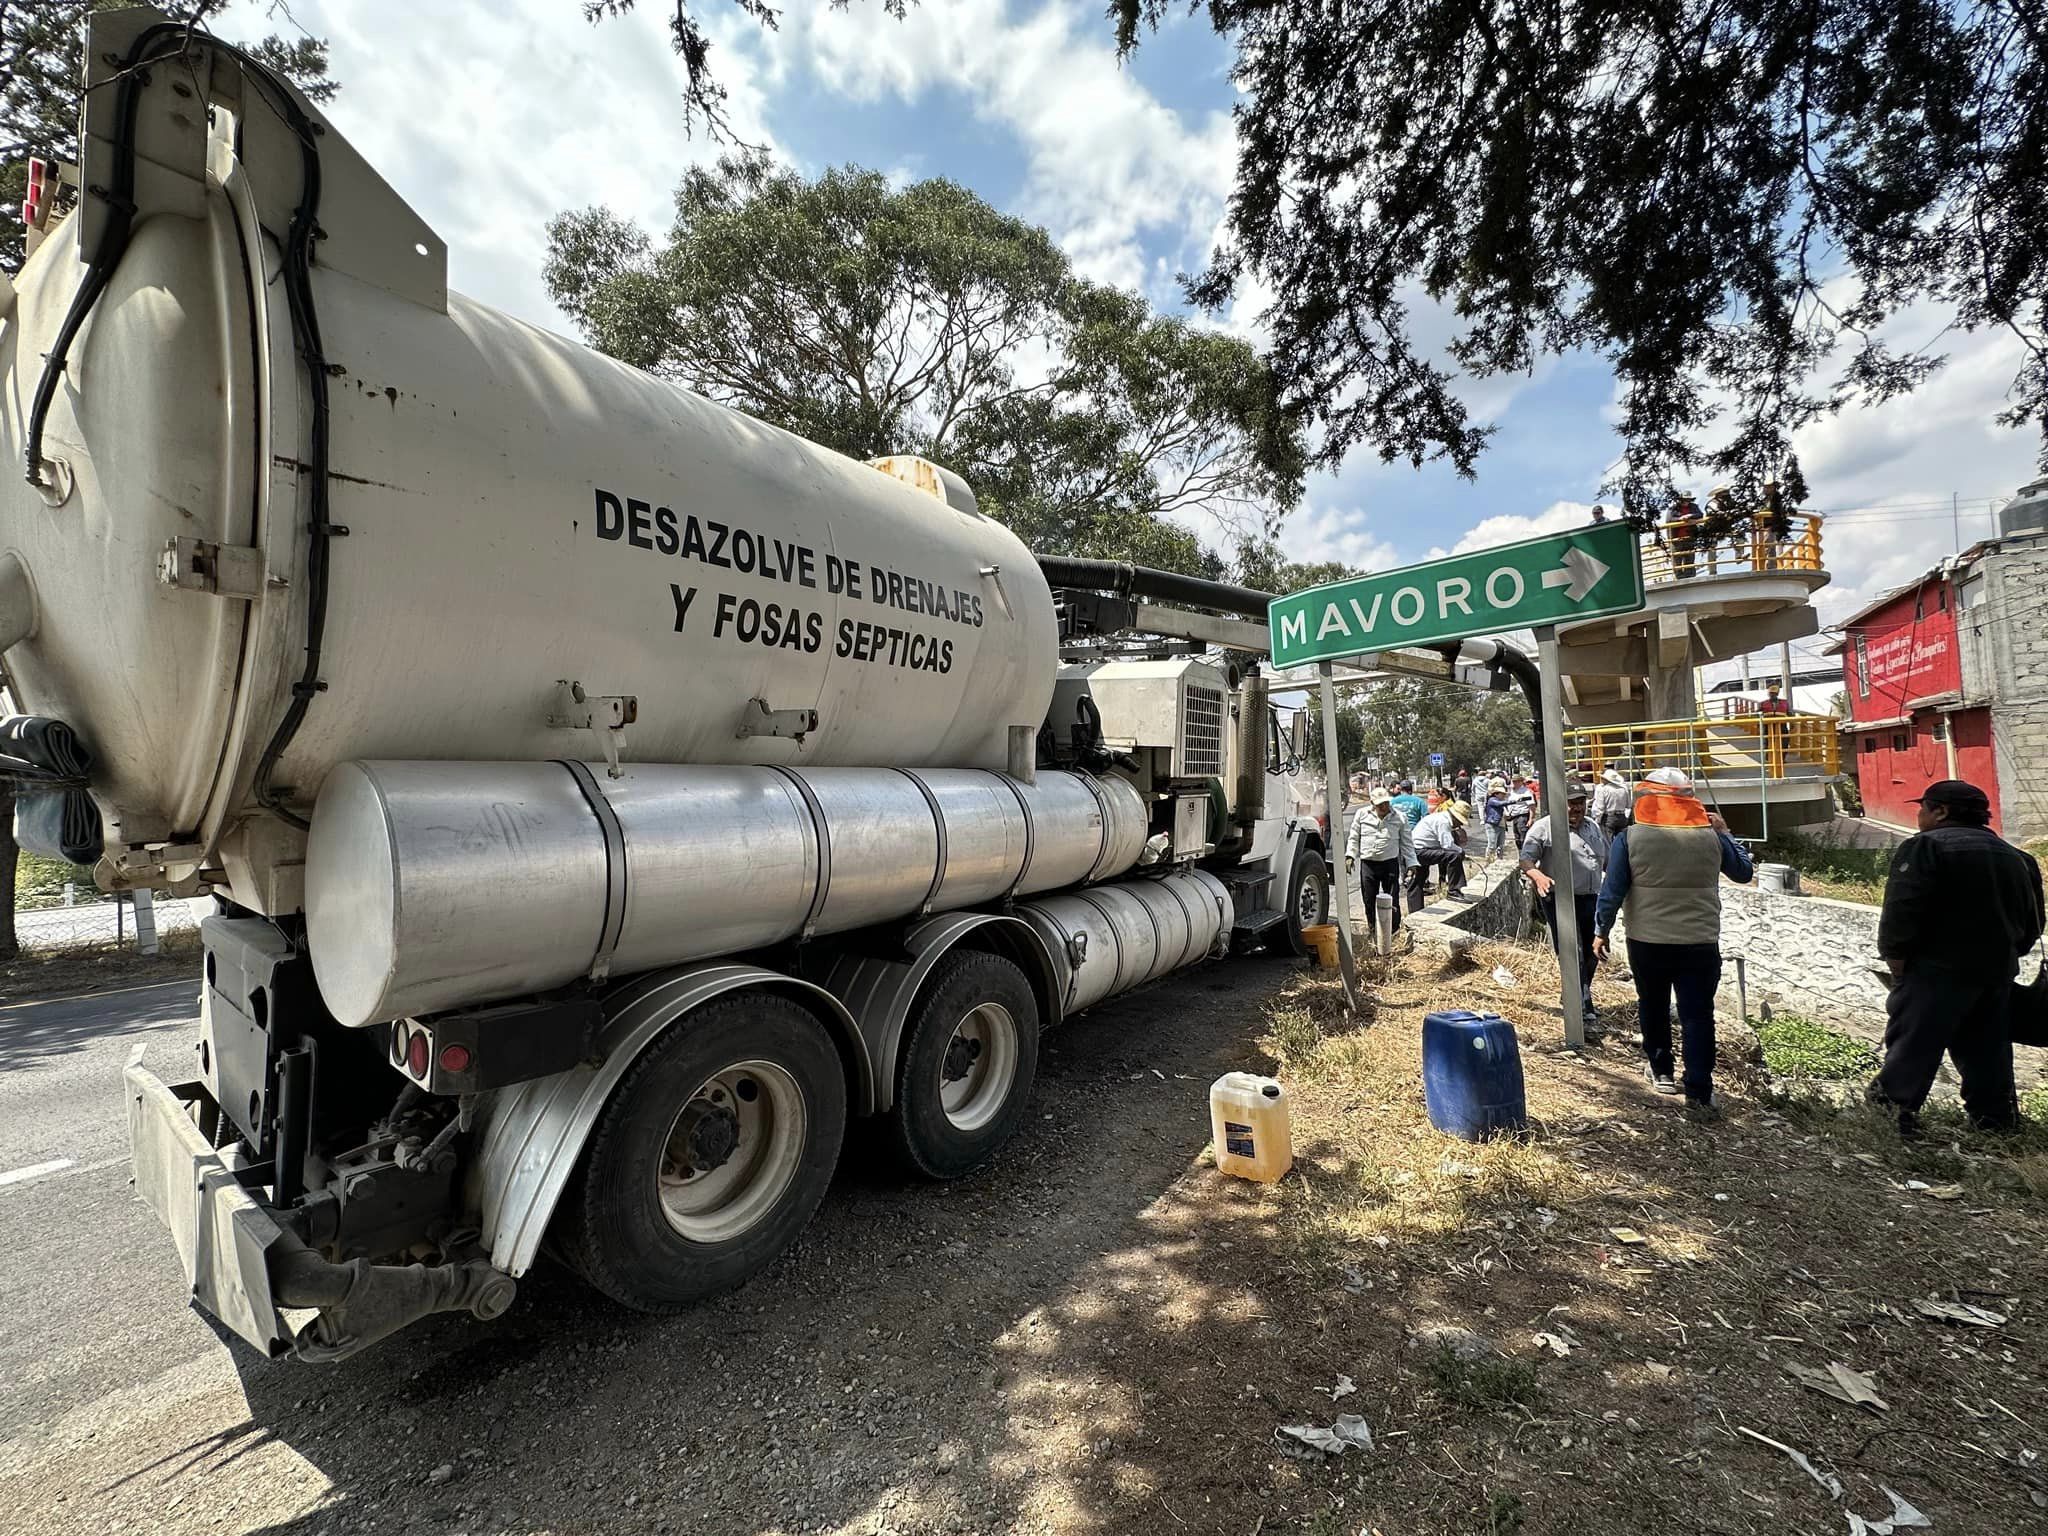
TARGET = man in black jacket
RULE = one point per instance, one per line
(1962, 905)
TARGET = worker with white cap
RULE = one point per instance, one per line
(1664, 874)
(1611, 801)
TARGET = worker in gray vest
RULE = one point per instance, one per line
(1664, 874)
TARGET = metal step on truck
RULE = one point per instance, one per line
(607, 796)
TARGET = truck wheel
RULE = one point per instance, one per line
(712, 1154)
(965, 1070)
(1308, 897)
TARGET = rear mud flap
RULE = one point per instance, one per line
(223, 1234)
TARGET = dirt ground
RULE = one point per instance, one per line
(1100, 1333)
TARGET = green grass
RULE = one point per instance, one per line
(1796, 1047)
(39, 882)
(1489, 1382)
(1830, 868)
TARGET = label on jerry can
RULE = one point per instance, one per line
(1237, 1139)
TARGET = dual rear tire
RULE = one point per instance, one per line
(717, 1146)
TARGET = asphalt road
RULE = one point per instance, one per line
(86, 1297)
(856, 1385)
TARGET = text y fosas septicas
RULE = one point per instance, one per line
(793, 625)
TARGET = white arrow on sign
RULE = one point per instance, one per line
(1579, 574)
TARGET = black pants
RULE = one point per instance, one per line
(1614, 823)
(1451, 863)
(1931, 1011)
(1374, 876)
(1693, 972)
(1583, 906)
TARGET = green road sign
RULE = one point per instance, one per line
(1558, 579)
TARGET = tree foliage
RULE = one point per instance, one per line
(876, 319)
(42, 86)
(1729, 200)
(1402, 722)
(1716, 195)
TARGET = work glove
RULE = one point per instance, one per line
(1350, 864)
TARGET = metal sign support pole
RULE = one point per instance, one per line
(1340, 883)
(1560, 870)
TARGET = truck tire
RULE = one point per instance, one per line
(710, 1157)
(1308, 896)
(966, 1067)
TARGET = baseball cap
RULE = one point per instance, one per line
(1381, 797)
(1957, 794)
(1574, 790)
(1670, 778)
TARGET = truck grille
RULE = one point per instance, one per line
(1201, 735)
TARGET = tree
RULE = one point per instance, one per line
(1715, 197)
(878, 320)
(1351, 743)
(1404, 721)
(42, 86)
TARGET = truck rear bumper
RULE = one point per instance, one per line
(224, 1234)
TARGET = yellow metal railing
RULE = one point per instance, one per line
(1734, 747)
(1681, 550)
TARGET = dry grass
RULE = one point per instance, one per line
(1787, 1233)
(89, 968)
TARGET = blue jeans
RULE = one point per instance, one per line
(1693, 972)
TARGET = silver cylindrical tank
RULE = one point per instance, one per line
(432, 885)
(519, 511)
(1111, 938)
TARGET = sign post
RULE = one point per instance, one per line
(1340, 883)
(1562, 897)
(1560, 578)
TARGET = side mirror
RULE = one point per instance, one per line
(1297, 735)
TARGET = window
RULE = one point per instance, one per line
(1862, 651)
(1941, 729)
(1902, 741)
(1870, 743)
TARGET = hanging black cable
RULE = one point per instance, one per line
(154, 44)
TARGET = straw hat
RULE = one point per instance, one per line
(1459, 811)
(1610, 776)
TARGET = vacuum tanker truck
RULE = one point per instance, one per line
(607, 796)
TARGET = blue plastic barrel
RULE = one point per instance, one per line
(1472, 1074)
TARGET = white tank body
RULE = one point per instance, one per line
(519, 510)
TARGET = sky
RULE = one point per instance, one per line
(491, 116)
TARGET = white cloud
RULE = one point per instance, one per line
(1507, 528)
(490, 118)
(1316, 533)
(1110, 170)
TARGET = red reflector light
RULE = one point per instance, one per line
(454, 1058)
(416, 1053)
(38, 187)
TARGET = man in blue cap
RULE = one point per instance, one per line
(1960, 907)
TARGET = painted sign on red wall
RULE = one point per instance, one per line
(1902, 651)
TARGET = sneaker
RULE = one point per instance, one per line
(1586, 1006)
(1663, 1081)
(1708, 1108)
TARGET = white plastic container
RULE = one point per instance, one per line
(1252, 1123)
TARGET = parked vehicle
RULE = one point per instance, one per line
(608, 795)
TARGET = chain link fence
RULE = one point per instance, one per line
(92, 921)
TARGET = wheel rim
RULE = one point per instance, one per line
(732, 1151)
(1308, 905)
(979, 1067)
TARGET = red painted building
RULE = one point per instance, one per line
(1911, 720)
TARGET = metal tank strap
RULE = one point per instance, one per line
(614, 865)
(931, 892)
(1108, 825)
(1030, 834)
(824, 837)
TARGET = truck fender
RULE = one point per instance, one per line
(1300, 833)
(534, 1133)
(879, 992)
